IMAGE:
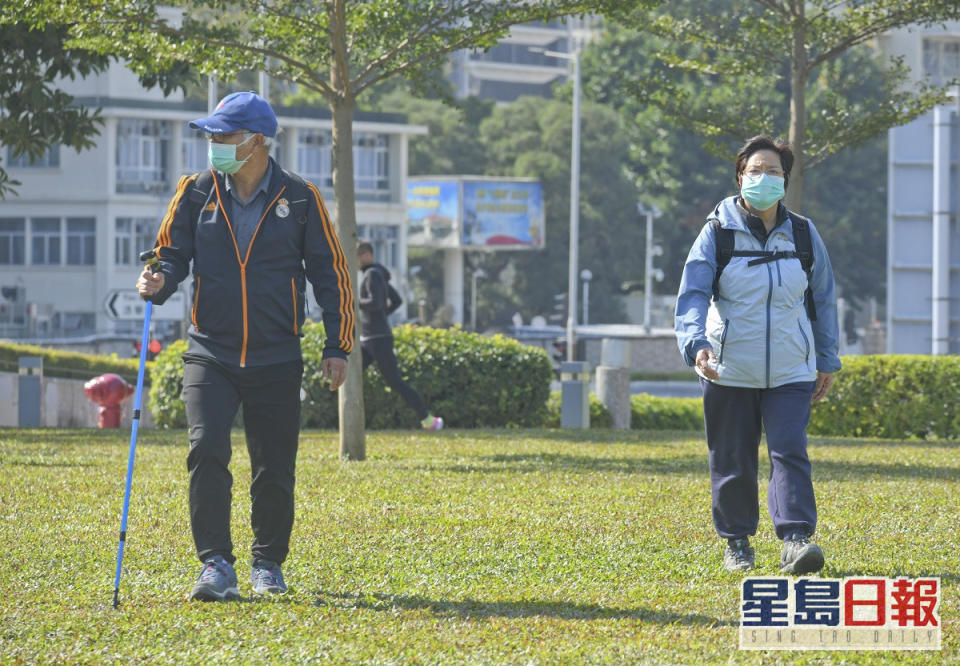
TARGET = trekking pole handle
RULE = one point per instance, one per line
(149, 257)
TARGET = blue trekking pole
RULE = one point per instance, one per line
(150, 258)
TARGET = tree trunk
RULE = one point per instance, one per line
(342, 104)
(352, 437)
(798, 105)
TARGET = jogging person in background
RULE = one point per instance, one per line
(757, 316)
(378, 300)
(252, 234)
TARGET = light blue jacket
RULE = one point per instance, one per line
(758, 328)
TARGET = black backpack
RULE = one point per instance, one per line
(803, 251)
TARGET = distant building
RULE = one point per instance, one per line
(516, 66)
(923, 203)
(69, 239)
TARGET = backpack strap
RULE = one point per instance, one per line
(725, 243)
(200, 192)
(804, 251)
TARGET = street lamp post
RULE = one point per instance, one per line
(574, 57)
(586, 276)
(478, 274)
(649, 273)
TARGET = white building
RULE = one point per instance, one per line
(517, 66)
(70, 237)
(923, 204)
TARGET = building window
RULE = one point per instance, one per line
(194, 152)
(142, 155)
(132, 236)
(12, 241)
(74, 323)
(315, 157)
(385, 240)
(941, 60)
(81, 241)
(371, 162)
(45, 241)
(48, 160)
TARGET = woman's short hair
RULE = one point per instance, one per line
(364, 246)
(766, 142)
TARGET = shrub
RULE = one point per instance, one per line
(650, 412)
(70, 364)
(600, 416)
(469, 380)
(895, 396)
(167, 375)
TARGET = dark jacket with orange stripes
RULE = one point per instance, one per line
(248, 308)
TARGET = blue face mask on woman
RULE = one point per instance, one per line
(762, 191)
(223, 156)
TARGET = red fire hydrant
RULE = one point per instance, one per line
(109, 391)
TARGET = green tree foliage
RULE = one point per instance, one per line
(336, 48)
(35, 114)
(722, 60)
(531, 137)
(686, 173)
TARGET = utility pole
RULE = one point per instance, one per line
(649, 272)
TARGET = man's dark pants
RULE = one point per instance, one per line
(379, 350)
(733, 417)
(270, 395)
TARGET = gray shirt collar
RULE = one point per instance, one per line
(263, 187)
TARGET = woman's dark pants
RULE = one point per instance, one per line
(733, 417)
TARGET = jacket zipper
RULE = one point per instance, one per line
(243, 262)
(196, 300)
(806, 340)
(723, 340)
(293, 290)
(769, 300)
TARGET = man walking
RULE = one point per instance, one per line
(378, 300)
(252, 234)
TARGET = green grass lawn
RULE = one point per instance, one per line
(461, 546)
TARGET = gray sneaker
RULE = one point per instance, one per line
(217, 581)
(267, 578)
(739, 555)
(799, 556)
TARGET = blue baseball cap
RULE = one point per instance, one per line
(240, 111)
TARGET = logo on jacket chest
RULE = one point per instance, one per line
(282, 208)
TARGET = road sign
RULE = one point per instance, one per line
(127, 304)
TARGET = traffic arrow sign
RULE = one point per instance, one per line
(127, 304)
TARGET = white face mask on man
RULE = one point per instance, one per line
(223, 156)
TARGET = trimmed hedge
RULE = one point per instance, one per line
(650, 412)
(165, 403)
(486, 382)
(71, 364)
(896, 396)
(647, 412)
(469, 380)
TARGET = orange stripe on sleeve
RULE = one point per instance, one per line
(163, 235)
(346, 333)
